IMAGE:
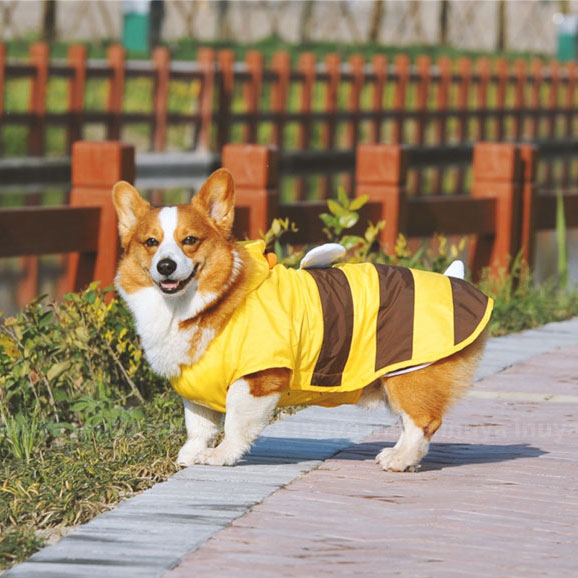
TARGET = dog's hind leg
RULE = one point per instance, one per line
(421, 398)
(246, 417)
(202, 426)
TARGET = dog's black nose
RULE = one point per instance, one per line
(166, 267)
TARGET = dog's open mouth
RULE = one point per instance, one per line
(170, 286)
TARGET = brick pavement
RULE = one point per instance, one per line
(496, 496)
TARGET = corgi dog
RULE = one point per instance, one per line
(238, 335)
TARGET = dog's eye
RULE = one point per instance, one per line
(190, 240)
(151, 242)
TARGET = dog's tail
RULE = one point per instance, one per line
(456, 269)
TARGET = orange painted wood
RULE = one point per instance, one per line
(568, 118)
(255, 172)
(308, 69)
(76, 91)
(331, 107)
(206, 62)
(502, 72)
(519, 96)
(39, 54)
(464, 66)
(536, 70)
(423, 66)
(529, 160)
(279, 95)
(570, 97)
(252, 93)
(553, 97)
(442, 104)
(333, 71)
(162, 62)
(552, 104)
(381, 173)
(2, 81)
(356, 67)
(402, 69)
(497, 174)
(96, 167)
(116, 59)
(379, 69)
(226, 61)
(484, 74)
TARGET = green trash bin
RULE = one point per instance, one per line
(567, 35)
(136, 22)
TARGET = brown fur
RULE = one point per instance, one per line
(425, 395)
(269, 381)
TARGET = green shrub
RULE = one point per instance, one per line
(74, 362)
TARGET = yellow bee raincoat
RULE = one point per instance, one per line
(338, 330)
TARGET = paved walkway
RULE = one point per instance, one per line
(496, 496)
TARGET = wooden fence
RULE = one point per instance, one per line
(504, 210)
(308, 105)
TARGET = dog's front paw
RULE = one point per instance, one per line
(222, 455)
(190, 453)
(396, 460)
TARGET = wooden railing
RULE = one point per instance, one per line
(322, 105)
(503, 212)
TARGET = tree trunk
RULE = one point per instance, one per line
(444, 20)
(377, 14)
(49, 21)
(501, 44)
(306, 22)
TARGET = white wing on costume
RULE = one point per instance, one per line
(323, 256)
(456, 269)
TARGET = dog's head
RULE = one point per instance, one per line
(180, 251)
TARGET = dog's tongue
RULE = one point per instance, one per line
(169, 285)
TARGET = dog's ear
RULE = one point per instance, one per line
(217, 197)
(130, 207)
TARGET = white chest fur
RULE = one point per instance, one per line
(157, 318)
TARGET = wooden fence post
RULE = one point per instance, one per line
(40, 59)
(76, 89)
(529, 159)
(255, 172)
(497, 174)
(252, 94)
(162, 62)
(379, 69)
(226, 62)
(115, 56)
(281, 64)
(381, 173)
(2, 79)
(206, 61)
(96, 167)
